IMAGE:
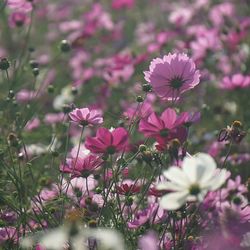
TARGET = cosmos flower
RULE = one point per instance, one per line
(60, 237)
(86, 117)
(20, 5)
(120, 4)
(107, 142)
(237, 81)
(197, 176)
(160, 127)
(172, 75)
(81, 166)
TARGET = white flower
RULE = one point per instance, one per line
(197, 176)
(65, 97)
(61, 237)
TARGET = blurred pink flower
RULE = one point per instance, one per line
(205, 43)
(120, 4)
(108, 142)
(220, 12)
(181, 16)
(32, 124)
(133, 111)
(152, 213)
(172, 75)
(237, 81)
(18, 18)
(86, 117)
(52, 118)
(26, 95)
(21, 5)
(149, 241)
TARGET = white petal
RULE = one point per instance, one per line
(55, 239)
(177, 176)
(169, 186)
(200, 168)
(109, 239)
(217, 181)
(190, 168)
(210, 165)
(173, 200)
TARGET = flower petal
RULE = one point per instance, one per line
(177, 176)
(173, 200)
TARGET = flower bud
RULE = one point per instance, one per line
(4, 64)
(146, 87)
(50, 89)
(33, 64)
(142, 148)
(129, 201)
(98, 190)
(35, 71)
(11, 94)
(139, 99)
(65, 46)
(66, 108)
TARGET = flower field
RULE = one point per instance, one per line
(125, 124)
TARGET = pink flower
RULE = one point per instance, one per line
(172, 75)
(25, 95)
(205, 43)
(149, 241)
(133, 112)
(18, 19)
(180, 16)
(8, 234)
(52, 118)
(20, 5)
(119, 4)
(86, 117)
(32, 124)
(219, 13)
(160, 127)
(81, 166)
(152, 213)
(128, 187)
(108, 142)
(237, 81)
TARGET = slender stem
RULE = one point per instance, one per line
(228, 153)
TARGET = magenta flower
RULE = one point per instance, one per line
(81, 166)
(86, 117)
(120, 4)
(153, 213)
(172, 75)
(160, 127)
(18, 18)
(237, 81)
(107, 142)
(128, 187)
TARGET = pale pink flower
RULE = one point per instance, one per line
(32, 124)
(172, 75)
(86, 117)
